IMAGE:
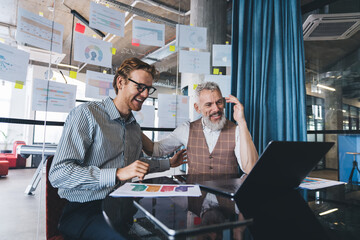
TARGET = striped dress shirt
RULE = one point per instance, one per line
(95, 142)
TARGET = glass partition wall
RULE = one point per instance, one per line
(331, 40)
(332, 72)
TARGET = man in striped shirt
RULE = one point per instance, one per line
(99, 147)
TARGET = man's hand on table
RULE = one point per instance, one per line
(136, 169)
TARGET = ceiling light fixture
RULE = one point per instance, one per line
(326, 87)
(67, 65)
(328, 211)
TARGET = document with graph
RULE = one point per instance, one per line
(318, 183)
(156, 190)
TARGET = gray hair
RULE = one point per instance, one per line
(206, 86)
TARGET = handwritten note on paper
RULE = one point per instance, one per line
(156, 190)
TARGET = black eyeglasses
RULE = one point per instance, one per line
(141, 87)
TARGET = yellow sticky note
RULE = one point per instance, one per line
(41, 14)
(227, 42)
(73, 74)
(94, 36)
(174, 115)
(192, 49)
(220, 73)
(104, 71)
(172, 48)
(113, 51)
(149, 20)
(191, 24)
(2, 40)
(19, 84)
(195, 86)
(107, 5)
(216, 71)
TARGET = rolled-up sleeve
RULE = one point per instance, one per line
(173, 141)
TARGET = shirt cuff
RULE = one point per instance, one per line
(107, 177)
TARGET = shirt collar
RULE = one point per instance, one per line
(114, 114)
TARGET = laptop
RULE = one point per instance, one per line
(281, 166)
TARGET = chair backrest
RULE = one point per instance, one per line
(15, 144)
(54, 206)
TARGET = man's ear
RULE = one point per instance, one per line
(120, 81)
(197, 109)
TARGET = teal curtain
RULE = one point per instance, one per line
(268, 74)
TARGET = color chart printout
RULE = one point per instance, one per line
(99, 85)
(39, 31)
(53, 96)
(107, 19)
(156, 190)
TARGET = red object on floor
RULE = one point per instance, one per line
(4, 168)
(14, 159)
(80, 28)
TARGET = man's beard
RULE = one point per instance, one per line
(215, 126)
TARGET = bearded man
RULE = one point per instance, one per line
(214, 144)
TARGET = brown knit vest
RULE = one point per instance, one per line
(221, 160)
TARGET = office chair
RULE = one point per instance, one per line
(54, 206)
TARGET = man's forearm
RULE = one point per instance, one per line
(248, 152)
(148, 145)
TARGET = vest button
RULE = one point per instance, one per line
(210, 157)
(211, 168)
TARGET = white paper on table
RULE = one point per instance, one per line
(194, 62)
(146, 116)
(53, 96)
(99, 85)
(224, 82)
(36, 31)
(311, 183)
(106, 19)
(93, 51)
(148, 33)
(156, 190)
(191, 37)
(13, 64)
(221, 55)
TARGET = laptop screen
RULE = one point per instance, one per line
(283, 165)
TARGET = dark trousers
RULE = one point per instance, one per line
(85, 221)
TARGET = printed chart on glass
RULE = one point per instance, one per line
(173, 110)
(191, 37)
(223, 81)
(148, 33)
(92, 50)
(221, 55)
(194, 62)
(99, 85)
(107, 19)
(146, 116)
(13, 64)
(36, 31)
(156, 190)
(53, 96)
